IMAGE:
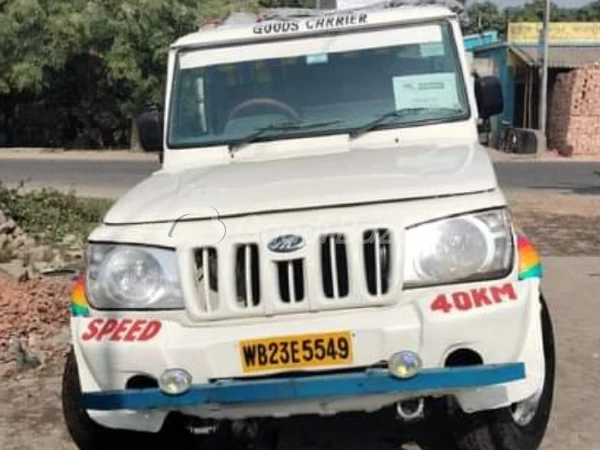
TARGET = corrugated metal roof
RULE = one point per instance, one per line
(560, 57)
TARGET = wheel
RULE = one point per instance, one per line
(519, 427)
(88, 435)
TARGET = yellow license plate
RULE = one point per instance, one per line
(297, 352)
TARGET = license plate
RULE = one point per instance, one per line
(297, 352)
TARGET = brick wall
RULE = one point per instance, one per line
(574, 113)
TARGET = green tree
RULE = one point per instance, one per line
(288, 3)
(589, 13)
(534, 12)
(483, 17)
(96, 63)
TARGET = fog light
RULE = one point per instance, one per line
(405, 364)
(175, 381)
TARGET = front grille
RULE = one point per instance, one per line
(291, 281)
(247, 276)
(343, 270)
(377, 250)
(334, 266)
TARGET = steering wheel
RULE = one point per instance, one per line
(287, 110)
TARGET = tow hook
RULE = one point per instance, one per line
(261, 435)
(411, 410)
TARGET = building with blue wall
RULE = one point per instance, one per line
(516, 61)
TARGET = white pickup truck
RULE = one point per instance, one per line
(325, 237)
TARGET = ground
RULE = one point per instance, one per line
(560, 224)
(566, 228)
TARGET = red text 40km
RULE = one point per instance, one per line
(475, 298)
(127, 330)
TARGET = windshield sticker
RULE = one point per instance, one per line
(436, 90)
(322, 23)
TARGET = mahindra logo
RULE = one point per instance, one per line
(286, 244)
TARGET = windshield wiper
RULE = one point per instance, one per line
(398, 113)
(237, 145)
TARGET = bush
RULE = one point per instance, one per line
(50, 215)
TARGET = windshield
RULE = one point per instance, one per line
(317, 86)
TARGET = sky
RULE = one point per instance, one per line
(570, 3)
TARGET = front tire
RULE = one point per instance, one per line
(519, 427)
(88, 435)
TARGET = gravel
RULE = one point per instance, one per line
(35, 314)
(34, 318)
(559, 224)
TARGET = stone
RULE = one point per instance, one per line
(41, 253)
(3, 218)
(20, 241)
(3, 240)
(58, 262)
(8, 227)
(25, 276)
(40, 266)
(12, 243)
(74, 254)
(70, 239)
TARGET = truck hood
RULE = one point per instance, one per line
(349, 178)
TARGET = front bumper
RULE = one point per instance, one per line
(370, 382)
(507, 335)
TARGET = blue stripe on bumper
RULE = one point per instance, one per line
(308, 387)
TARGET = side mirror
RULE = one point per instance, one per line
(488, 92)
(150, 129)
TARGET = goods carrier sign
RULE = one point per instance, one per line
(318, 23)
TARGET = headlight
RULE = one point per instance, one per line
(131, 277)
(465, 248)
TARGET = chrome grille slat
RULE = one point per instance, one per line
(205, 279)
(377, 251)
(334, 268)
(378, 288)
(290, 277)
(248, 277)
(291, 282)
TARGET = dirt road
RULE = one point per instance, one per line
(566, 229)
(30, 418)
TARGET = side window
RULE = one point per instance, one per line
(191, 111)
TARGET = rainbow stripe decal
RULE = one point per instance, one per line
(79, 303)
(530, 263)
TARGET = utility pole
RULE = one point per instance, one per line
(543, 114)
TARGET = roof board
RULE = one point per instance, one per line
(247, 28)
